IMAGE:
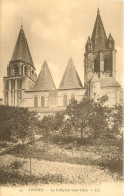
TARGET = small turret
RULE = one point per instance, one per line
(89, 45)
(110, 42)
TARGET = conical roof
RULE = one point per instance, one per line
(89, 40)
(21, 51)
(70, 78)
(110, 38)
(99, 37)
(45, 80)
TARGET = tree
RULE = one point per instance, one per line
(118, 120)
(91, 117)
(99, 120)
(78, 113)
(16, 123)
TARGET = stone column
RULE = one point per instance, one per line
(19, 69)
(46, 101)
(101, 63)
(16, 92)
(23, 70)
(114, 63)
(9, 98)
(9, 93)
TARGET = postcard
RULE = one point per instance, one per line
(61, 97)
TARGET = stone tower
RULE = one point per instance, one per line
(99, 53)
(100, 65)
(21, 74)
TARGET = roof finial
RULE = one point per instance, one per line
(21, 23)
(98, 9)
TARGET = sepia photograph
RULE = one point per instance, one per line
(61, 97)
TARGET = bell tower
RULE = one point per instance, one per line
(99, 57)
(21, 74)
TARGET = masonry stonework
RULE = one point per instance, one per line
(22, 88)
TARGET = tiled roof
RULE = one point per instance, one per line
(45, 80)
(109, 82)
(99, 37)
(70, 78)
(21, 51)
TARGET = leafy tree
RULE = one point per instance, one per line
(59, 120)
(94, 118)
(16, 123)
(118, 124)
(47, 124)
(79, 113)
(99, 120)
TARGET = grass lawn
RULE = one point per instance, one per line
(55, 163)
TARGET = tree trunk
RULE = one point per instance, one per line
(81, 134)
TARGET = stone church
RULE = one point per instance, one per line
(22, 88)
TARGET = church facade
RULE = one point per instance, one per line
(23, 88)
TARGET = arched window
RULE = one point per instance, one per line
(12, 84)
(22, 70)
(65, 101)
(32, 74)
(25, 70)
(6, 97)
(16, 70)
(96, 65)
(6, 85)
(42, 101)
(35, 102)
(72, 97)
(107, 65)
(19, 96)
(32, 71)
(19, 84)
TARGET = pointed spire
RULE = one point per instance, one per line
(110, 42)
(110, 38)
(89, 40)
(89, 45)
(21, 51)
(99, 37)
(45, 80)
(70, 78)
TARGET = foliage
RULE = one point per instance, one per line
(52, 123)
(16, 123)
(87, 119)
(118, 123)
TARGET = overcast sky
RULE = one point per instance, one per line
(56, 30)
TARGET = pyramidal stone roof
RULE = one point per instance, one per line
(105, 82)
(45, 80)
(109, 81)
(70, 78)
(21, 51)
(99, 37)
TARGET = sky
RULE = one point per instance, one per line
(57, 30)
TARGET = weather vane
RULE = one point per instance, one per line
(21, 23)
